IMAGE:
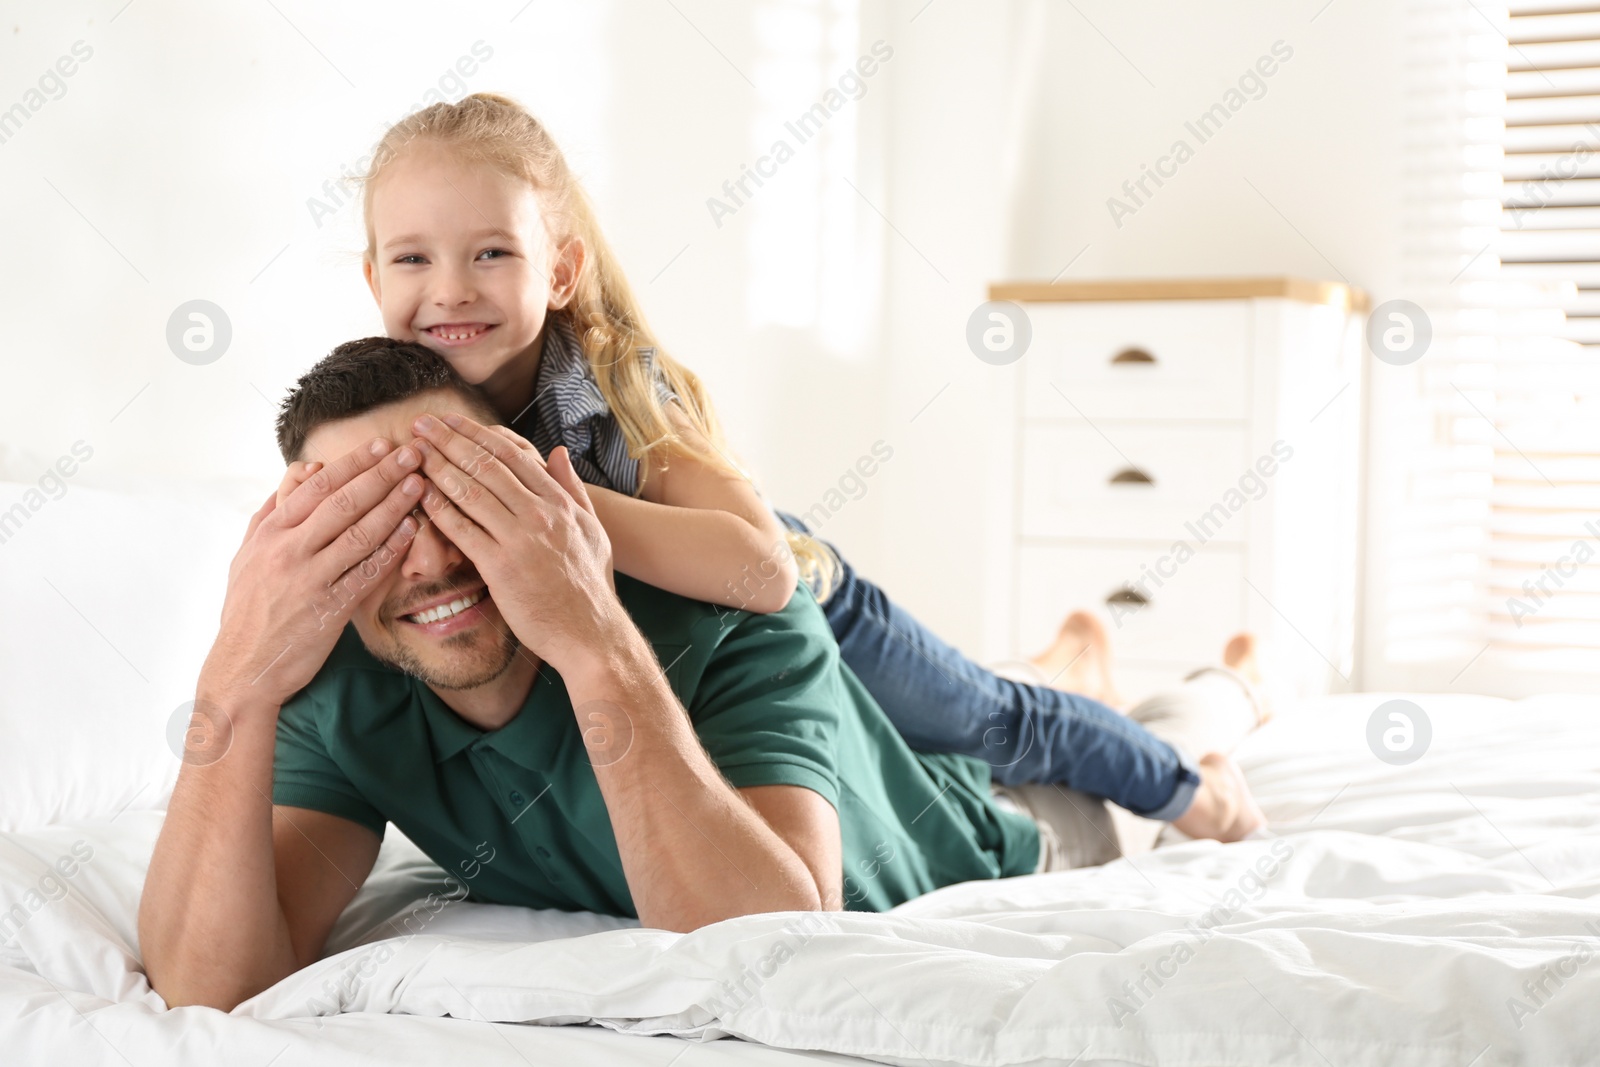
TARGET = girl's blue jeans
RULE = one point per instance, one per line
(941, 701)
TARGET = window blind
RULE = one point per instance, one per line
(1543, 574)
(1491, 546)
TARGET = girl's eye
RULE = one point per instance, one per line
(408, 259)
(493, 253)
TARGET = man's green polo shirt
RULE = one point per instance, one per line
(517, 815)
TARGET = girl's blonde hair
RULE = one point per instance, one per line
(603, 312)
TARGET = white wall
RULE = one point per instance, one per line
(180, 160)
(1115, 84)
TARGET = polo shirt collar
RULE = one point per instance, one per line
(531, 739)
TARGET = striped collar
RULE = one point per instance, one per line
(569, 409)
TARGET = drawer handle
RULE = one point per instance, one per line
(1133, 355)
(1131, 476)
(1131, 597)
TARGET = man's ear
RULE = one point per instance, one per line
(565, 270)
(371, 275)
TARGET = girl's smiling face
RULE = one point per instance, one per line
(461, 261)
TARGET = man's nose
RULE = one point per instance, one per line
(432, 555)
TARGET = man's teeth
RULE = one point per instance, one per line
(445, 611)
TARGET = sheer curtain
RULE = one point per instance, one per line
(813, 235)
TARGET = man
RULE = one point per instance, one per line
(551, 734)
(540, 722)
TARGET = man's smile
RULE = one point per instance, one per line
(450, 614)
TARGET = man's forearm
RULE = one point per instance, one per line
(693, 851)
(211, 929)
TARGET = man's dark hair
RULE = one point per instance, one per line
(359, 376)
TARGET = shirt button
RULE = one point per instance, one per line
(542, 852)
(516, 798)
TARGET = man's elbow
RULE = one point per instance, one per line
(190, 982)
(686, 922)
(200, 999)
(179, 992)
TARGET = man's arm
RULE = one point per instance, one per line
(808, 824)
(240, 894)
(693, 849)
(231, 902)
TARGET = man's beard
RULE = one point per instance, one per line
(469, 662)
(479, 666)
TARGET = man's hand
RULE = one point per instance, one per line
(222, 917)
(522, 443)
(304, 566)
(293, 476)
(530, 530)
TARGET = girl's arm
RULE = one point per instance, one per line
(699, 532)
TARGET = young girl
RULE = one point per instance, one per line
(482, 246)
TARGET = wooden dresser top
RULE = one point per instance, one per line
(1308, 291)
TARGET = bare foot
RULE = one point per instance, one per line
(1223, 809)
(1241, 656)
(1080, 660)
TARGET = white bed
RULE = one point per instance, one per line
(1410, 912)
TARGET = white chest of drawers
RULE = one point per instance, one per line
(1187, 464)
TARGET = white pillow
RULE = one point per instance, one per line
(110, 603)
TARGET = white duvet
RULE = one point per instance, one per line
(1447, 912)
